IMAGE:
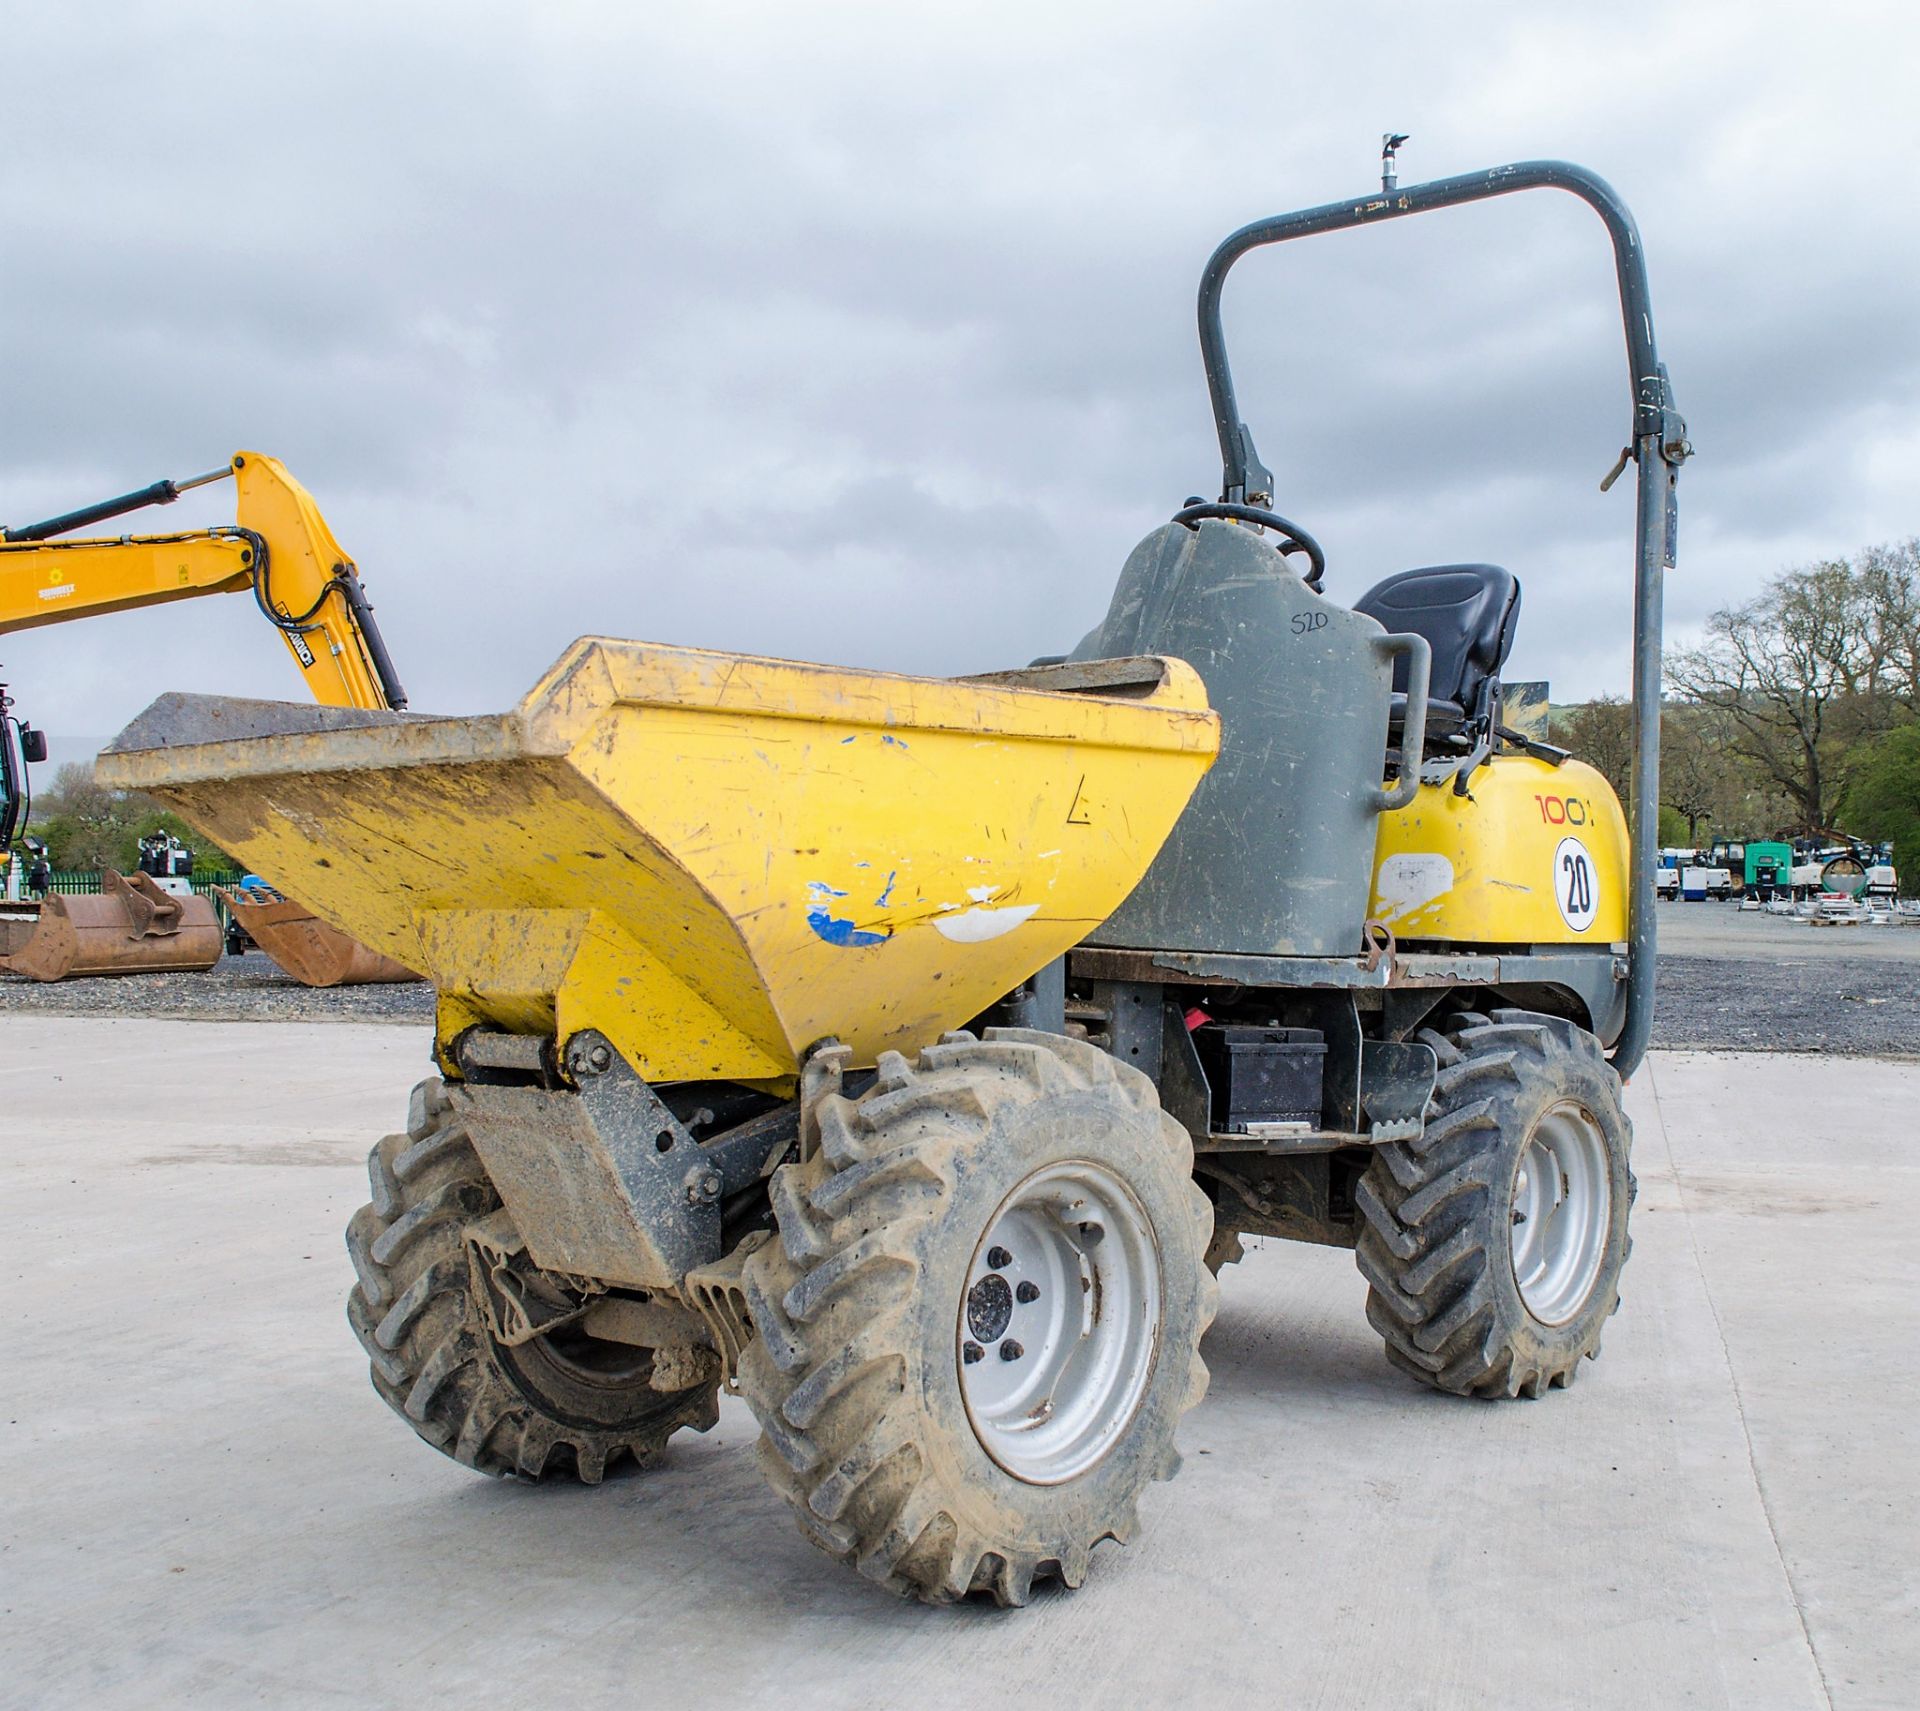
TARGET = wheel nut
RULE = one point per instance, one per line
(971, 1352)
(1010, 1350)
(999, 1259)
(1027, 1292)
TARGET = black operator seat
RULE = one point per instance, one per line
(1467, 613)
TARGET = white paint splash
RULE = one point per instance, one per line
(976, 925)
(1408, 882)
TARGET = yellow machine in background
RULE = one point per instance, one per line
(280, 549)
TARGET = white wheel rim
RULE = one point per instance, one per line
(1058, 1322)
(1562, 1210)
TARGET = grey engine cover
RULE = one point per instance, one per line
(1274, 855)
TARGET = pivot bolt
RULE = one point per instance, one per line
(971, 1352)
(703, 1186)
(585, 1058)
(1010, 1350)
(999, 1259)
(1027, 1292)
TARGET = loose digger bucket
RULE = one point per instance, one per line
(131, 926)
(18, 922)
(715, 860)
(306, 947)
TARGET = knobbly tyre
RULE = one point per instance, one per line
(909, 1054)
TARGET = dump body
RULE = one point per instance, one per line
(306, 947)
(715, 860)
(130, 926)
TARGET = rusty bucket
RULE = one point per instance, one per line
(131, 926)
(18, 923)
(306, 947)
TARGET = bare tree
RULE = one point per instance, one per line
(1601, 734)
(73, 791)
(1890, 579)
(1800, 676)
(1693, 773)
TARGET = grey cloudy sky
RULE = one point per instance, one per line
(864, 332)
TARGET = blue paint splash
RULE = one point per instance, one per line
(880, 902)
(834, 929)
(889, 737)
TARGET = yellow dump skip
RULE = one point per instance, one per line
(714, 859)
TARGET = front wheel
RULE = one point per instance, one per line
(565, 1405)
(1494, 1242)
(980, 1324)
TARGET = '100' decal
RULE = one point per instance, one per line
(1563, 810)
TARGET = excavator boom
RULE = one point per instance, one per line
(279, 546)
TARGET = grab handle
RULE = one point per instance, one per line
(1413, 728)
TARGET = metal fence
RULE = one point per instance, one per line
(79, 882)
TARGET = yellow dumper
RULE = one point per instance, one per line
(909, 1054)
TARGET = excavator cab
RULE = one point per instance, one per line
(21, 746)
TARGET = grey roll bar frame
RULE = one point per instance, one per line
(1658, 445)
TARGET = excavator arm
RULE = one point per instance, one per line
(279, 548)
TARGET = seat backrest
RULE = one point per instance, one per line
(1467, 612)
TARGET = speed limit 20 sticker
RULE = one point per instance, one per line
(1576, 887)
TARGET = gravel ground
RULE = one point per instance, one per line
(1729, 982)
(247, 988)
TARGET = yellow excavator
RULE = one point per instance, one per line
(281, 551)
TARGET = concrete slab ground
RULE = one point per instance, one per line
(205, 1504)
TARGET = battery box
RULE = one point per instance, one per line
(1262, 1077)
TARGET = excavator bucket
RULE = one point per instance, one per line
(306, 947)
(18, 922)
(131, 926)
(716, 861)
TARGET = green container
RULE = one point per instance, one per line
(1776, 857)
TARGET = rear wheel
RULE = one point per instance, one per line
(563, 1405)
(1494, 1242)
(980, 1324)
